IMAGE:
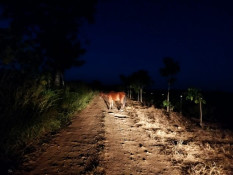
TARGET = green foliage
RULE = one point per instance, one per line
(171, 68)
(75, 99)
(194, 95)
(168, 103)
(31, 109)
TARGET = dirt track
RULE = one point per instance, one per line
(139, 140)
(129, 150)
(75, 149)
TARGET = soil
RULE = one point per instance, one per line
(137, 140)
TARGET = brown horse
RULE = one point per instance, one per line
(112, 96)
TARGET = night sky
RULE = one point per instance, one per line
(129, 35)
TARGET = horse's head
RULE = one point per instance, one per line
(101, 94)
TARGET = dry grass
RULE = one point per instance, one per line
(210, 168)
(190, 148)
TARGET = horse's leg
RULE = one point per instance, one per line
(110, 103)
(123, 102)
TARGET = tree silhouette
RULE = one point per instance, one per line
(138, 81)
(195, 96)
(16, 54)
(171, 68)
(47, 28)
(128, 83)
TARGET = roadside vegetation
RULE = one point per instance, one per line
(32, 109)
(36, 48)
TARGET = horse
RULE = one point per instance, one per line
(112, 96)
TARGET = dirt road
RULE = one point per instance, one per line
(74, 150)
(138, 140)
(129, 149)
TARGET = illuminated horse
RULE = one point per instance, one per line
(112, 96)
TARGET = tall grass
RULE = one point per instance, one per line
(30, 109)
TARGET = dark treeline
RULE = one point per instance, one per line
(38, 43)
(42, 36)
(208, 106)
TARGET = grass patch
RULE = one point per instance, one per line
(31, 108)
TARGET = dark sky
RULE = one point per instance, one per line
(129, 35)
